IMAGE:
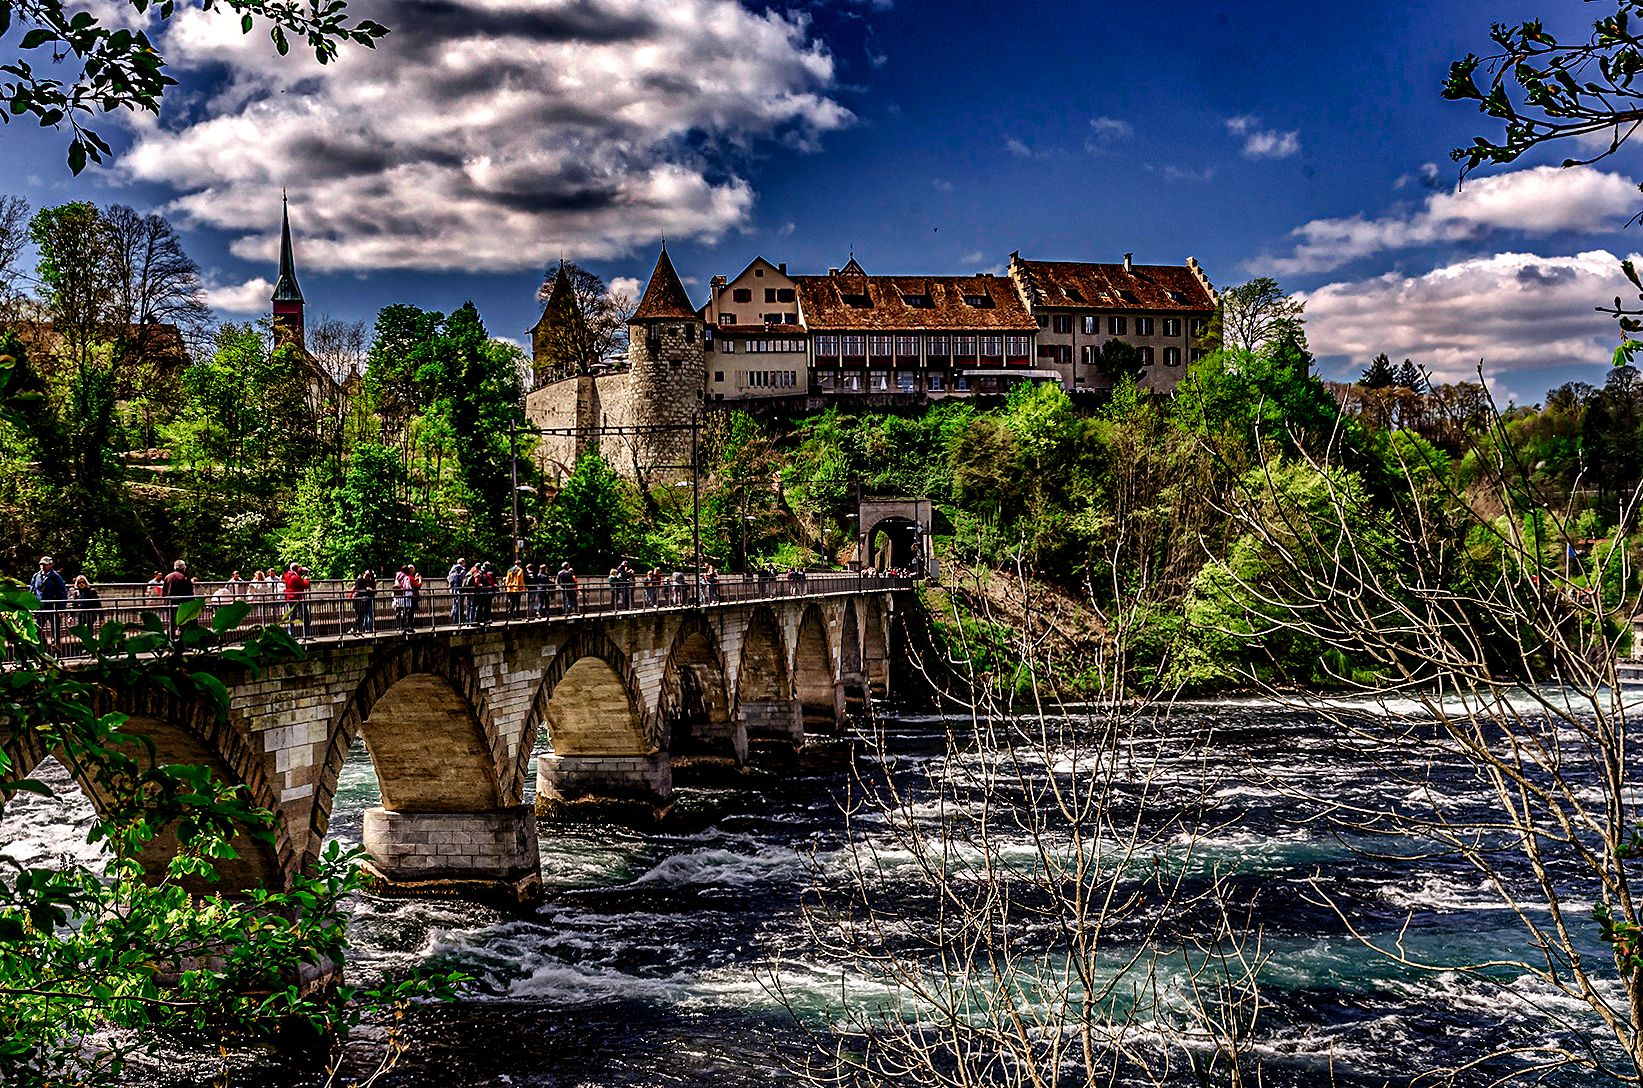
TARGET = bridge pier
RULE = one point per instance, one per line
(488, 854)
(774, 727)
(601, 785)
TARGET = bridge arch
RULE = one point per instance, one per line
(588, 703)
(694, 702)
(429, 734)
(187, 731)
(850, 640)
(763, 673)
(814, 677)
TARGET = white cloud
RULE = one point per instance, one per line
(1539, 201)
(1511, 311)
(1263, 143)
(627, 285)
(250, 297)
(489, 134)
(1017, 148)
(975, 256)
(1111, 128)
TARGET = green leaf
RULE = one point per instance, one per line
(229, 617)
(34, 39)
(27, 785)
(190, 610)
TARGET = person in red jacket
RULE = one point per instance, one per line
(296, 598)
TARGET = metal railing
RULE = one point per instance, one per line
(331, 611)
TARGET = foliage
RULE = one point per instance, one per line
(142, 946)
(118, 66)
(592, 521)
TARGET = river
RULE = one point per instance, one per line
(652, 959)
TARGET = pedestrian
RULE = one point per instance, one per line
(679, 589)
(487, 594)
(179, 587)
(455, 578)
(533, 592)
(296, 583)
(237, 586)
(653, 586)
(86, 604)
(257, 591)
(625, 574)
(52, 593)
(711, 580)
(364, 596)
(515, 585)
(613, 585)
(407, 588)
(156, 585)
(566, 580)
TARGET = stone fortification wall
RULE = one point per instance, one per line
(586, 402)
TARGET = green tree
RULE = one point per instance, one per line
(1409, 377)
(1379, 374)
(1252, 314)
(593, 521)
(376, 528)
(115, 65)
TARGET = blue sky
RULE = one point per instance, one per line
(928, 137)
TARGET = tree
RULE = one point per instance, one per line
(1252, 314)
(592, 520)
(584, 323)
(14, 238)
(1546, 90)
(118, 67)
(1379, 373)
(1120, 360)
(1409, 377)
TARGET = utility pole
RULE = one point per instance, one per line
(696, 498)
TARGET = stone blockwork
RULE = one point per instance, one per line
(452, 720)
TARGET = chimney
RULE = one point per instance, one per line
(1129, 262)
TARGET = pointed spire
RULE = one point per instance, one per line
(665, 296)
(285, 288)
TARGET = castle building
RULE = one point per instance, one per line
(802, 342)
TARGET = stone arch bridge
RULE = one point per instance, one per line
(452, 719)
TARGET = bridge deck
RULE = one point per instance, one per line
(330, 614)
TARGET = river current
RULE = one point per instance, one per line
(655, 956)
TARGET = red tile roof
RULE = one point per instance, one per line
(1078, 285)
(664, 296)
(847, 302)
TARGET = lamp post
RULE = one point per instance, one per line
(513, 478)
(696, 498)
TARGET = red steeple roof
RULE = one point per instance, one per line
(664, 296)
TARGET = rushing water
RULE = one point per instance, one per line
(652, 958)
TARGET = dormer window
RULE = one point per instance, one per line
(918, 302)
(1073, 293)
(980, 302)
(860, 302)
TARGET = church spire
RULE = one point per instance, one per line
(288, 322)
(285, 288)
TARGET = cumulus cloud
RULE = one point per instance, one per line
(1511, 311)
(627, 285)
(1538, 201)
(250, 297)
(489, 134)
(1111, 128)
(1263, 143)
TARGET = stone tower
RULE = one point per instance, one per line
(667, 369)
(288, 325)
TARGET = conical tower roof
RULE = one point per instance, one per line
(285, 288)
(664, 296)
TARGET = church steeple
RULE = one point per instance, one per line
(288, 322)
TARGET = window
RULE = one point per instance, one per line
(964, 345)
(937, 381)
(854, 344)
(1062, 324)
(907, 346)
(980, 302)
(1143, 326)
(1087, 355)
(962, 383)
(935, 345)
(880, 382)
(1172, 356)
(826, 381)
(1146, 356)
(827, 345)
(758, 272)
(878, 346)
(727, 346)
(770, 294)
(784, 294)
(1172, 326)
(852, 383)
(790, 318)
(741, 294)
(860, 302)
(1116, 326)
(1198, 353)
(906, 381)
(1090, 325)
(1015, 347)
(727, 319)
(718, 375)
(1198, 326)
(1043, 321)
(918, 302)
(773, 319)
(992, 346)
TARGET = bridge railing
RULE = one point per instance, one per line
(333, 611)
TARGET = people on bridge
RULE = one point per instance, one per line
(455, 578)
(710, 584)
(536, 584)
(156, 585)
(52, 593)
(364, 596)
(296, 582)
(653, 587)
(514, 583)
(179, 587)
(481, 593)
(86, 603)
(681, 590)
(236, 586)
(566, 581)
(407, 588)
